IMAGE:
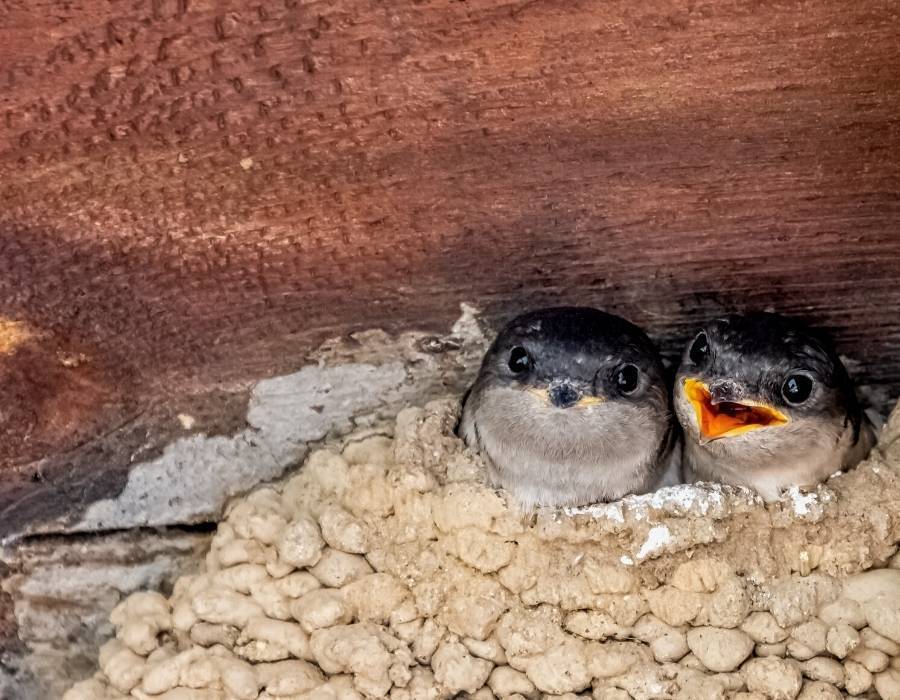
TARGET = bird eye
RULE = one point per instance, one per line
(627, 378)
(519, 360)
(699, 349)
(797, 388)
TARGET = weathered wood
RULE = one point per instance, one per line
(193, 193)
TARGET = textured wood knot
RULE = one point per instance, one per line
(70, 359)
(226, 25)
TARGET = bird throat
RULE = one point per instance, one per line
(728, 418)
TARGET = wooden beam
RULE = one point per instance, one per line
(194, 193)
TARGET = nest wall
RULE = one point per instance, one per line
(389, 569)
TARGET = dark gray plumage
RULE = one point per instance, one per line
(570, 407)
(765, 402)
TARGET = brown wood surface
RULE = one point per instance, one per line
(193, 193)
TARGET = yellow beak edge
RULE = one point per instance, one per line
(584, 401)
(727, 419)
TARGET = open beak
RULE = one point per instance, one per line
(719, 419)
(565, 398)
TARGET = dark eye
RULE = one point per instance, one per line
(797, 388)
(519, 360)
(699, 349)
(627, 378)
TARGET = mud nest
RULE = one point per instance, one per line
(388, 569)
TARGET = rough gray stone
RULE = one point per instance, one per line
(63, 593)
(195, 476)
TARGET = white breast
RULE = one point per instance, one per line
(574, 456)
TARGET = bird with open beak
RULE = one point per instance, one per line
(570, 407)
(765, 402)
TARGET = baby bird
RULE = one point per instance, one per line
(765, 402)
(570, 407)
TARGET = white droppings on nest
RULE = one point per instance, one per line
(607, 511)
(372, 573)
(683, 499)
(657, 539)
(801, 502)
(810, 505)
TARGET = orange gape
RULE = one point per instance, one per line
(726, 418)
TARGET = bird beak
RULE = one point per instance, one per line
(552, 395)
(588, 401)
(719, 419)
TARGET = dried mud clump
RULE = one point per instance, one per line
(390, 570)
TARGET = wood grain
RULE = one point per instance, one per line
(195, 192)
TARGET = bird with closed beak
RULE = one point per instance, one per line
(570, 408)
(765, 402)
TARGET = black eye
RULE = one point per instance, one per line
(627, 378)
(797, 388)
(699, 349)
(519, 360)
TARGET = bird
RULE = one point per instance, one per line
(765, 402)
(571, 407)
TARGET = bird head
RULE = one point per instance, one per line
(748, 379)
